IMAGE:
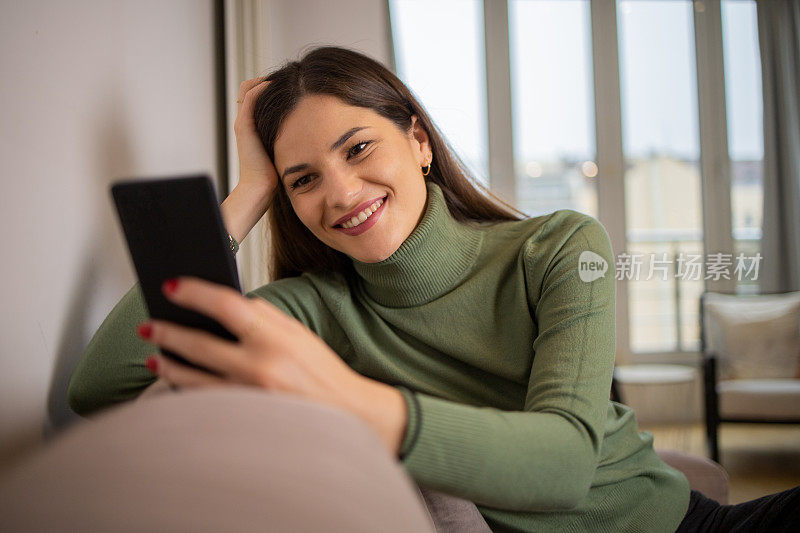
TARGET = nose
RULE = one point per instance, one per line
(343, 189)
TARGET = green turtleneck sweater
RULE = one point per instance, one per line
(503, 354)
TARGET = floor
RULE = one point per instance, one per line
(760, 459)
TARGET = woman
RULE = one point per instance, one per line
(468, 337)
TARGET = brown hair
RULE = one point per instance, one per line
(359, 81)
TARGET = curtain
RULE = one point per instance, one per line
(247, 54)
(779, 41)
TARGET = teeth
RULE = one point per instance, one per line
(363, 215)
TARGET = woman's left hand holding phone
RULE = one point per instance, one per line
(275, 352)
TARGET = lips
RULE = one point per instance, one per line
(357, 210)
(367, 224)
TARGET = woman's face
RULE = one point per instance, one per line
(334, 159)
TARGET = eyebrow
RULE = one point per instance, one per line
(339, 142)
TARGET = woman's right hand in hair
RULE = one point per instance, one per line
(255, 168)
(252, 196)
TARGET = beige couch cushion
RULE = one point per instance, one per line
(230, 459)
(778, 399)
(755, 337)
(703, 474)
(451, 514)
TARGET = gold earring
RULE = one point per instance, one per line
(426, 172)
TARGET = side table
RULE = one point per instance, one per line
(659, 393)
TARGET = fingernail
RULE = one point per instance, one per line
(170, 286)
(151, 364)
(144, 330)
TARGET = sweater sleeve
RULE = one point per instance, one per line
(544, 456)
(111, 369)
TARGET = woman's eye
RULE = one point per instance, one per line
(297, 182)
(357, 148)
(352, 152)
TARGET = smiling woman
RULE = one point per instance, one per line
(464, 335)
(345, 133)
(373, 163)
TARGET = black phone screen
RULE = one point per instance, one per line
(174, 227)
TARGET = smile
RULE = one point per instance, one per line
(363, 215)
(364, 220)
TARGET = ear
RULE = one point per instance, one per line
(420, 140)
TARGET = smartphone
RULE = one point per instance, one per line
(174, 228)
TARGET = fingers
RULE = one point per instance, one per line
(248, 103)
(249, 84)
(185, 377)
(237, 313)
(200, 347)
(248, 92)
(251, 87)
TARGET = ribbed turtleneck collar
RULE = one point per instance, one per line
(429, 263)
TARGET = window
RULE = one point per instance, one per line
(553, 105)
(663, 202)
(745, 127)
(554, 120)
(432, 62)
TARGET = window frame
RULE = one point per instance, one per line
(713, 136)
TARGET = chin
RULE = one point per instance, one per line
(375, 257)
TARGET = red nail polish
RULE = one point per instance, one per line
(144, 330)
(170, 286)
(151, 364)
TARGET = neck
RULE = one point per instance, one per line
(434, 258)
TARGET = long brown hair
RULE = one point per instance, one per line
(359, 81)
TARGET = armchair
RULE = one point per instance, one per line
(750, 346)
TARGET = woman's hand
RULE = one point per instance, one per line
(255, 168)
(274, 352)
(258, 180)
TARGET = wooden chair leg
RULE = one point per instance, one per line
(711, 408)
(615, 393)
(712, 437)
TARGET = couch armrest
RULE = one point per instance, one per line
(160, 386)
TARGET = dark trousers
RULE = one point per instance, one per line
(773, 513)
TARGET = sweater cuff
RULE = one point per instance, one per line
(412, 428)
(451, 445)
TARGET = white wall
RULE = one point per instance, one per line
(298, 25)
(90, 91)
